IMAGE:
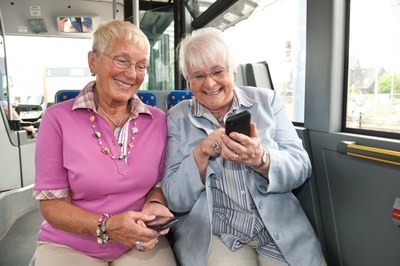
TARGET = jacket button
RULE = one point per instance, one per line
(260, 205)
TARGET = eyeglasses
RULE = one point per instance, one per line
(124, 62)
(217, 75)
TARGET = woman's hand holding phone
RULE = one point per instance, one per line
(238, 123)
(161, 223)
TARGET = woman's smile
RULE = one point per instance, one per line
(123, 84)
(213, 92)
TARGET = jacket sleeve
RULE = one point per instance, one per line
(182, 185)
(289, 162)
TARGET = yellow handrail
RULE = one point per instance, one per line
(370, 153)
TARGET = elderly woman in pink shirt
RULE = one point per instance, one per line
(99, 161)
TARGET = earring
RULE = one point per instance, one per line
(92, 74)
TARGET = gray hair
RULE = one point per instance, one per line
(119, 30)
(204, 48)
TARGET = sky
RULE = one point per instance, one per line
(375, 33)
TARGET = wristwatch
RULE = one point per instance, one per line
(264, 158)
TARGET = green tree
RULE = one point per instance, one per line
(385, 83)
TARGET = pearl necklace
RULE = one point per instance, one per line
(97, 135)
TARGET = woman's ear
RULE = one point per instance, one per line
(92, 58)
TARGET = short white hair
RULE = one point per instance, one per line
(119, 30)
(204, 48)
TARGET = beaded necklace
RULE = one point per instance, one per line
(112, 121)
(125, 148)
(117, 129)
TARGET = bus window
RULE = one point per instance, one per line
(373, 83)
(46, 65)
(276, 33)
(196, 8)
(158, 25)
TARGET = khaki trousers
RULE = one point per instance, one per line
(50, 254)
(220, 255)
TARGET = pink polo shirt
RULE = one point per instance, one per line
(69, 158)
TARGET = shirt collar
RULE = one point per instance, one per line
(239, 99)
(85, 100)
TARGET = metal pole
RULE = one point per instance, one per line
(114, 9)
(135, 12)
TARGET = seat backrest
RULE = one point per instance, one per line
(175, 97)
(147, 97)
(258, 75)
(63, 95)
(240, 77)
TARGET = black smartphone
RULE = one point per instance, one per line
(162, 222)
(238, 123)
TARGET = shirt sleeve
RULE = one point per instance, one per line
(51, 177)
(50, 194)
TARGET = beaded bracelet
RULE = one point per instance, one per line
(101, 233)
(103, 228)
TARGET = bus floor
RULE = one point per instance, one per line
(18, 246)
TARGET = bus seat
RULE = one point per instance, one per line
(33, 259)
(258, 75)
(147, 97)
(307, 193)
(240, 77)
(175, 97)
(63, 95)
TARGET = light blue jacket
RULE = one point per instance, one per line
(279, 209)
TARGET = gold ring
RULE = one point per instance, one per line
(237, 158)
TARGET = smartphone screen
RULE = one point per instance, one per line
(238, 123)
(162, 222)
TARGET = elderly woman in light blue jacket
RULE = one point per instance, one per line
(236, 189)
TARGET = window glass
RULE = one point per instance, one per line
(162, 60)
(3, 80)
(4, 103)
(45, 66)
(373, 93)
(158, 25)
(276, 33)
(196, 8)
